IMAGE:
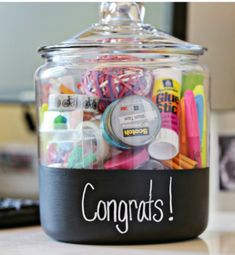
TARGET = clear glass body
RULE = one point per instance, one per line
(123, 111)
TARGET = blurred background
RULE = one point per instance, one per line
(24, 27)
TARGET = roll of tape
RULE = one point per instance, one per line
(103, 149)
(105, 127)
(133, 121)
(71, 102)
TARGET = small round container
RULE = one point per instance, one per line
(123, 133)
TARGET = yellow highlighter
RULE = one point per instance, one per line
(201, 107)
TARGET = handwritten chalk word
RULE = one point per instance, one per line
(123, 212)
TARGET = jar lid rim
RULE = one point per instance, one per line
(188, 49)
(121, 27)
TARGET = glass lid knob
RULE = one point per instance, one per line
(121, 12)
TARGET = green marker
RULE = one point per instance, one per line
(199, 90)
(190, 80)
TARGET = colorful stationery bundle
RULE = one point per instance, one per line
(118, 113)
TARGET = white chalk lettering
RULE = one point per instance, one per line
(123, 212)
(130, 207)
(109, 210)
(159, 201)
(83, 205)
(101, 207)
(123, 216)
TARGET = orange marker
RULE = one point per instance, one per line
(180, 162)
(183, 134)
(185, 164)
(188, 160)
(171, 164)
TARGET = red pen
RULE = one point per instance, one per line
(192, 127)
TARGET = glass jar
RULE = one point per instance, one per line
(122, 96)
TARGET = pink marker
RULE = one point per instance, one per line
(127, 160)
(192, 127)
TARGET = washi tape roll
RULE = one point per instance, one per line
(127, 160)
(132, 121)
(71, 102)
(87, 129)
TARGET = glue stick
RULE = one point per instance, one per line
(166, 95)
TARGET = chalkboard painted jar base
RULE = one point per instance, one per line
(123, 207)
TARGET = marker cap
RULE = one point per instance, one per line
(165, 146)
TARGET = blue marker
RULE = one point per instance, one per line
(200, 113)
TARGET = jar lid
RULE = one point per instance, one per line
(121, 28)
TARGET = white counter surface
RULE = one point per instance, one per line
(219, 238)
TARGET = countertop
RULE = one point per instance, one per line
(219, 238)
